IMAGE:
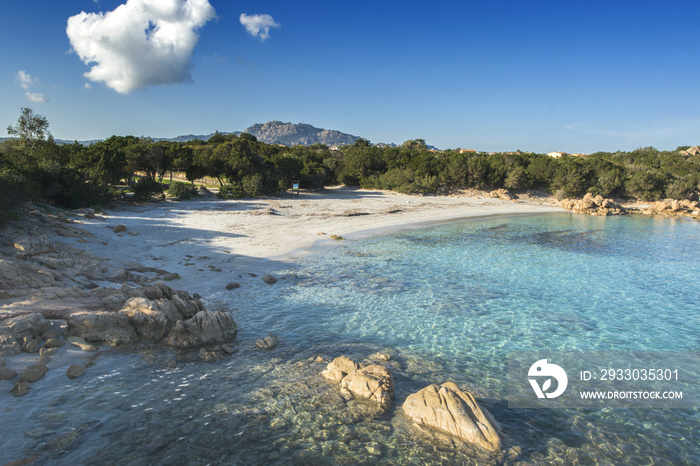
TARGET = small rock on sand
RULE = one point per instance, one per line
(119, 228)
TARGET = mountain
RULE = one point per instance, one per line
(290, 134)
(272, 132)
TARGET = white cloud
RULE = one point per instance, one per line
(140, 43)
(258, 25)
(36, 97)
(87, 86)
(25, 79)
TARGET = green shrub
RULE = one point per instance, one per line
(144, 188)
(646, 186)
(229, 191)
(680, 188)
(253, 185)
(182, 190)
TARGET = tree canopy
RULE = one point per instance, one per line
(33, 165)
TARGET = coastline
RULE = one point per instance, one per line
(250, 392)
(221, 240)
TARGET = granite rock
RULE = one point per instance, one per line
(449, 409)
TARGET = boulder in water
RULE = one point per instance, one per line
(454, 411)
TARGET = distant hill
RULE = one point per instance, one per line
(184, 138)
(192, 137)
(272, 132)
(301, 134)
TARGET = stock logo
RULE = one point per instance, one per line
(543, 369)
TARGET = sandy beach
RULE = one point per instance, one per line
(209, 242)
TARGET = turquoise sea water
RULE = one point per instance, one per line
(448, 302)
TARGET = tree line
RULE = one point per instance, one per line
(33, 165)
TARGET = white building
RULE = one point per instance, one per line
(556, 155)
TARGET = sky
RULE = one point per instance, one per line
(535, 75)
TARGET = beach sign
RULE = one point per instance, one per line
(295, 187)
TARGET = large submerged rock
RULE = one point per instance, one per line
(454, 411)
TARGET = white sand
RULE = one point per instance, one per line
(214, 242)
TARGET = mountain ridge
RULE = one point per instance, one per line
(298, 134)
(272, 132)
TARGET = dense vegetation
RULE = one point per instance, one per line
(33, 166)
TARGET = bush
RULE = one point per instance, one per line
(144, 188)
(646, 186)
(680, 188)
(229, 191)
(182, 190)
(253, 185)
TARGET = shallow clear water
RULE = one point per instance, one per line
(448, 303)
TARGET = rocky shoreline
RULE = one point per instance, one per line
(597, 205)
(49, 296)
(55, 298)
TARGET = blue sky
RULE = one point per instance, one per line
(534, 75)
